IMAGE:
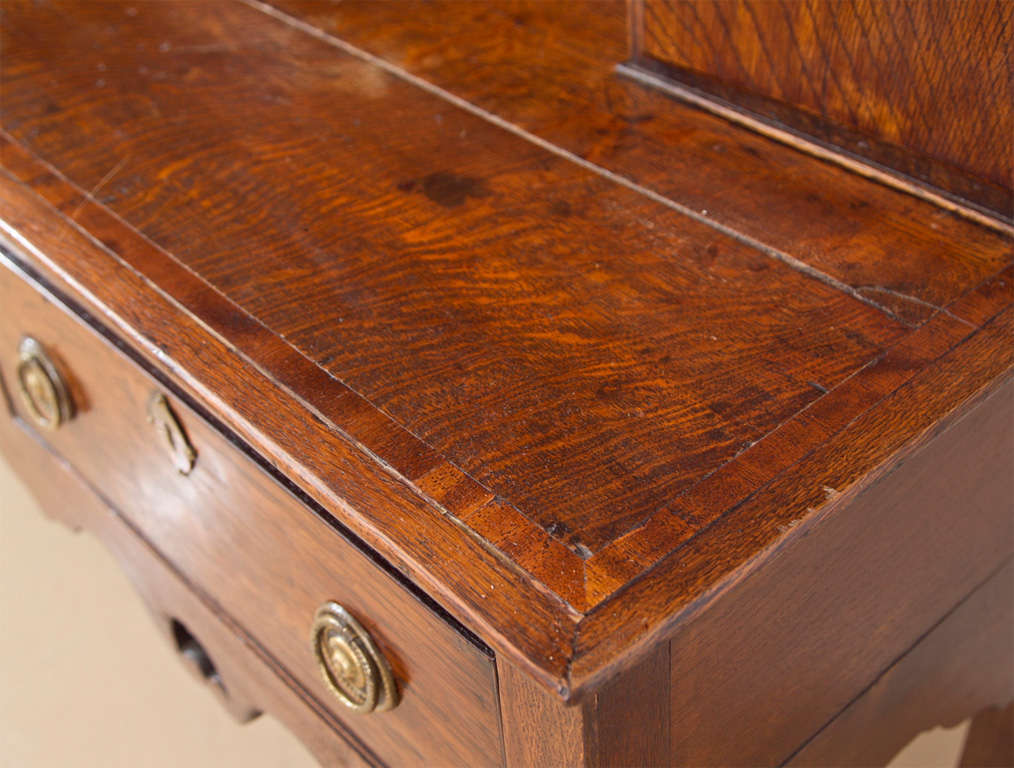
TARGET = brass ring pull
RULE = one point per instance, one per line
(352, 667)
(171, 435)
(42, 388)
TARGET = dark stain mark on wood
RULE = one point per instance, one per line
(560, 208)
(448, 189)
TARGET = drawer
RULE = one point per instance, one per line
(234, 672)
(264, 557)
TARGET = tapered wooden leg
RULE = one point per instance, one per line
(990, 739)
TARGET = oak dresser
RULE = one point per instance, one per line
(529, 383)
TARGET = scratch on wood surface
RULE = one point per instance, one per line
(698, 216)
(90, 196)
(911, 299)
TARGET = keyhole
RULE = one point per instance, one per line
(167, 431)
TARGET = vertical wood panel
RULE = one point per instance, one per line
(788, 647)
(632, 720)
(919, 85)
(990, 740)
(626, 722)
(965, 664)
(537, 728)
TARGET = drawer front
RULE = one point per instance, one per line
(246, 683)
(265, 558)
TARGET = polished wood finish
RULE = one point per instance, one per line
(964, 664)
(919, 537)
(626, 722)
(822, 482)
(608, 402)
(298, 435)
(922, 86)
(990, 740)
(257, 552)
(249, 675)
(793, 631)
(557, 81)
(617, 394)
(595, 377)
(529, 710)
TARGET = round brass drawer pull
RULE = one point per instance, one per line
(352, 667)
(43, 391)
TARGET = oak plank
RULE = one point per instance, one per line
(903, 83)
(454, 320)
(543, 364)
(963, 665)
(557, 80)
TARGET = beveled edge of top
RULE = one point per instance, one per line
(565, 648)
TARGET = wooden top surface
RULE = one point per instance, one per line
(595, 339)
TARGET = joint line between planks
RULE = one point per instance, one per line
(490, 117)
(864, 168)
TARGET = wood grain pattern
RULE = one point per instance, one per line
(990, 740)
(921, 86)
(258, 553)
(531, 355)
(631, 722)
(626, 722)
(560, 406)
(302, 436)
(965, 664)
(248, 672)
(556, 79)
(611, 400)
(799, 629)
(938, 380)
(529, 711)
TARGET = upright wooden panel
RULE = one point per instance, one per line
(964, 665)
(788, 647)
(990, 740)
(557, 79)
(920, 85)
(624, 722)
(633, 722)
(537, 728)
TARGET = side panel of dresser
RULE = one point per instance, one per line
(795, 640)
(916, 558)
(249, 679)
(964, 665)
(624, 722)
(266, 560)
